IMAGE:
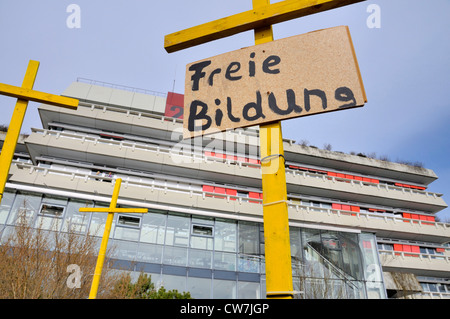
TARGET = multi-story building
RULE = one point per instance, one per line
(359, 227)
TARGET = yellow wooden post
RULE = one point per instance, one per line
(23, 95)
(104, 244)
(275, 210)
(276, 224)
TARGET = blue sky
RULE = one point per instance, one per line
(405, 65)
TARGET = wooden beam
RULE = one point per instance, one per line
(248, 20)
(37, 96)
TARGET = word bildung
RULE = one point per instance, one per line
(297, 76)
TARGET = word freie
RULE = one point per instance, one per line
(292, 77)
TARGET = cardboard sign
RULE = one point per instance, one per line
(298, 76)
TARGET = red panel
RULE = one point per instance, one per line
(293, 167)
(208, 153)
(406, 215)
(346, 207)
(355, 208)
(174, 105)
(253, 195)
(340, 175)
(253, 161)
(422, 217)
(207, 188)
(430, 218)
(365, 179)
(415, 249)
(232, 157)
(241, 159)
(349, 176)
(332, 174)
(398, 184)
(375, 181)
(407, 248)
(219, 190)
(220, 155)
(440, 250)
(336, 206)
(358, 178)
(232, 192)
(398, 247)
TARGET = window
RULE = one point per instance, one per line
(51, 210)
(202, 230)
(127, 227)
(128, 221)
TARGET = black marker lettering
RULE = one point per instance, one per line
(318, 93)
(344, 94)
(290, 96)
(270, 62)
(210, 79)
(251, 65)
(193, 116)
(256, 106)
(198, 67)
(231, 116)
(219, 115)
(233, 68)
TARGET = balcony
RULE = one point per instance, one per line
(193, 195)
(141, 156)
(416, 263)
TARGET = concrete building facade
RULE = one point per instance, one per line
(359, 227)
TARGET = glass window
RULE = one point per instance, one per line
(124, 250)
(98, 221)
(202, 230)
(131, 221)
(296, 248)
(127, 227)
(199, 288)
(224, 261)
(49, 216)
(224, 289)
(351, 259)
(248, 238)
(74, 220)
(177, 233)
(170, 282)
(126, 233)
(175, 256)
(26, 205)
(150, 253)
(153, 228)
(6, 203)
(200, 258)
(225, 236)
(248, 290)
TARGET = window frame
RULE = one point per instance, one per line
(193, 225)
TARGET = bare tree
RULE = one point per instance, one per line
(39, 263)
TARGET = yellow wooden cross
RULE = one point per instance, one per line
(23, 95)
(102, 253)
(276, 223)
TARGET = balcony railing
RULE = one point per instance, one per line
(194, 189)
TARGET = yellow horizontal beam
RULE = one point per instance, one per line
(113, 210)
(248, 20)
(37, 96)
